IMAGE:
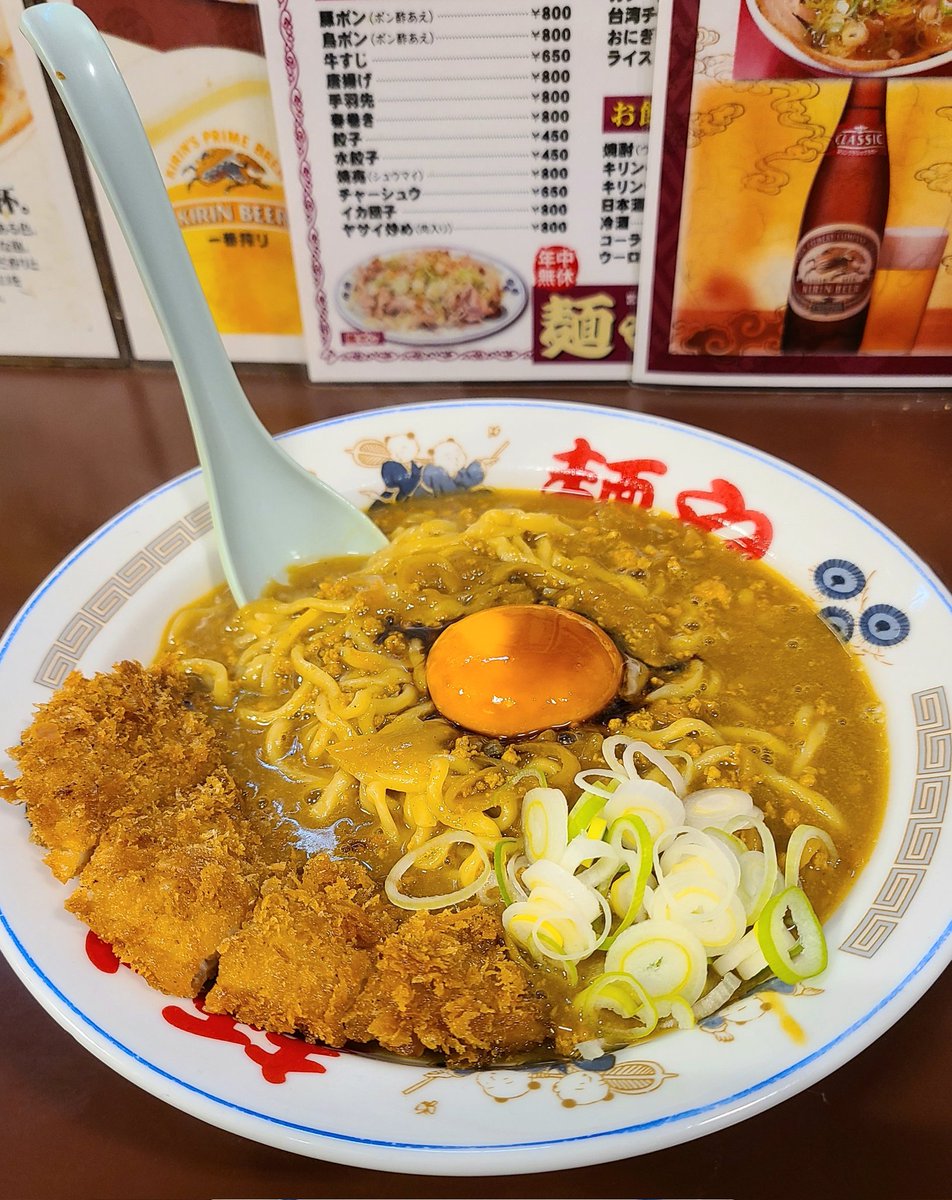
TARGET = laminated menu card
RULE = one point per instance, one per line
(51, 298)
(798, 232)
(466, 183)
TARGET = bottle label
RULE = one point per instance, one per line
(860, 141)
(833, 272)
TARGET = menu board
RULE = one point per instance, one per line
(196, 71)
(51, 298)
(799, 231)
(466, 183)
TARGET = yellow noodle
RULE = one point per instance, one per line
(334, 797)
(684, 727)
(682, 686)
(373, 799)
(383, 679)
(319, 777)
(758, 737)
(819, 804)
(419, 817)
(292, 631)
(314, 674)
(556, 762)
(276, 739)
(510, 806)
(287, 709)
(471, 867)
(214, 675)
(814, 739)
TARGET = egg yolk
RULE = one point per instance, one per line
(517, 669)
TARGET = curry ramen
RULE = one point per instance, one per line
(864, 31)
(317, 846)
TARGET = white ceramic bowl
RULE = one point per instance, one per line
(827, 65)
(888, 941)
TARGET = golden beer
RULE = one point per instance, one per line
(908, 263)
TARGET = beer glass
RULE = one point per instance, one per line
(908, 261)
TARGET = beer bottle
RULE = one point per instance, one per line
(841, 231)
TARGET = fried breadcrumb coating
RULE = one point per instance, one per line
(301, 961)
(108, 746)
(167, 884)
(445, 982)
(124, 782)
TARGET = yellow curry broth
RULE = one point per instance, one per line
(737, 657)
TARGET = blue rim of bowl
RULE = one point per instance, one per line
(721, 1106)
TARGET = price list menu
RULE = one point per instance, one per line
(51, 299)
(466, 183)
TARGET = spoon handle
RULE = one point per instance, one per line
(228, 434)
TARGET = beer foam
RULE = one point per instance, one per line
(915, 248)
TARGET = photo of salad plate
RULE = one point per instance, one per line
(888, 940)
(431, 296)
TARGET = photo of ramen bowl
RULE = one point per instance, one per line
(858, 37)
(563, 736)
(431, 295)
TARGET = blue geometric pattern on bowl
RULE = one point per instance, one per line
(884, 625)
(840, 620)
(880, 625)
(839, 579)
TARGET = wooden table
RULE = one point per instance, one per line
(78, 445)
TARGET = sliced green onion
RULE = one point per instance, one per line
(678, 1008)
(773, 937)
(584, 811)
(663, 956)
(715, 807)
(499, 866)
(658, 806)
(604, 858)
(753, 965)
(636, 829)
(545, 823)
(717, 931)
(562, 937)
(717, 997)
(564, 888)
(515, 864)
(622, 995)
(731, 959)
(410, 859)
(702, 850)
(651, 754)
(799, 840)
(528, 773)
(728, 840)
(769, 880)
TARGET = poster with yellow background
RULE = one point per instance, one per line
(196, 72)
(775, 158)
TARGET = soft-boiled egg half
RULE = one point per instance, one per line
(519, 668)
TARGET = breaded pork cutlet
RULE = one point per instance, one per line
(167, 884)
(302, 959)
(103, 747)
(445, 982)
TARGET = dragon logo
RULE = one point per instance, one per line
(241, 170)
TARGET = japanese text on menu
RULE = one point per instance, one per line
(517, 132)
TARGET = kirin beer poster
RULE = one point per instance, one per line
(799, 228)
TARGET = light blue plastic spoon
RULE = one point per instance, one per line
(268, 511)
